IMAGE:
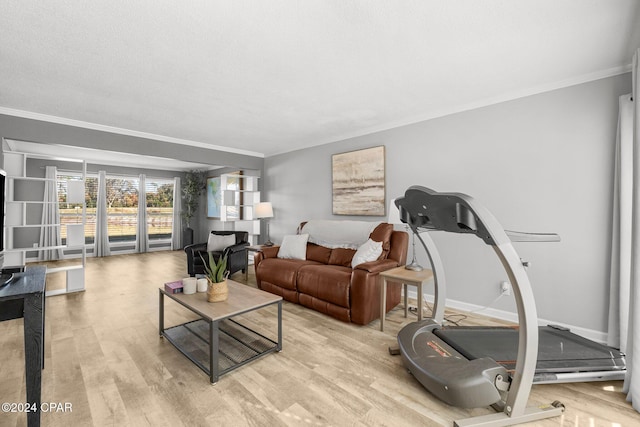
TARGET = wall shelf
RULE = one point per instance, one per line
(239, 195)
(17, 246)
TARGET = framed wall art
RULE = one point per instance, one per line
(358, 182)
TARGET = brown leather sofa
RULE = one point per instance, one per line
(326, 282)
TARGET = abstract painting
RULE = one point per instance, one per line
(358, 182)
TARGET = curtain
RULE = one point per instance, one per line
(142, 236)
(101, 245)
(50, 230)
(624, 301)
(176, 230)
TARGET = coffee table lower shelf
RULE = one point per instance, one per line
(237, 344)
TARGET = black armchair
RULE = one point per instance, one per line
(236, 254)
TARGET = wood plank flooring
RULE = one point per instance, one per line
(103, 355)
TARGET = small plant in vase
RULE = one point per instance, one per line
(217, 274)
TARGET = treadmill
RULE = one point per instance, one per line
(474, 367)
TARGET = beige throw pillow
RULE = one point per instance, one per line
(294, 247)
(367, 252)
(219, 243)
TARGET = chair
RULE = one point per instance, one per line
(236, 254)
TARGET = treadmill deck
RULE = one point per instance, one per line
(559, 350)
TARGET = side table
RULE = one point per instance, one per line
(406, 277)
(24, 297)
(252, 249)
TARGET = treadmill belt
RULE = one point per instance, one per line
(559, 350)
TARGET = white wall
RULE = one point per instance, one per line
(541, 163)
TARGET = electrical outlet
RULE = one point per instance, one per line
(505, 288)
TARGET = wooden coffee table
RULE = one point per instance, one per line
(217, 343)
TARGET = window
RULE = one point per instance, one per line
(122, 208)
(159, 208)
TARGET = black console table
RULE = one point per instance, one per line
(24, 297)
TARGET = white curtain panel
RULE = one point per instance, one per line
(50, 231)
(622, 219)
(101, 244)
(176, 230)
(142, 237)
(624, 301)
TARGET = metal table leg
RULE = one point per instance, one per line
(161, 320)
(213, 351)
(383, 302)
(279, 348)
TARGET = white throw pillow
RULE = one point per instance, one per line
(294, 247)
(367, 252)
(219, 243)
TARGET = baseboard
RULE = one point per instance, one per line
(597, 336)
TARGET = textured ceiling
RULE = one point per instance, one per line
(273, 76)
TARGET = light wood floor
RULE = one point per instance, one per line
(104, 357)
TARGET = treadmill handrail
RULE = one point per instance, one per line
(520, 236)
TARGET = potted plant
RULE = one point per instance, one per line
(192, 188)
(216, 273)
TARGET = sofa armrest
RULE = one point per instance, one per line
(264, 253)
(375, 267)
(193, 253)
(365, 291)
(270, 251)
(236, 257)
(238, 247)
(196, 247)
(194, 250)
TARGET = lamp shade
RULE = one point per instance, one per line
(263, 210)
(394, 213)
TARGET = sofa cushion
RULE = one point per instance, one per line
(367, 252)
(326, 282)
(294, 247)
(286, 294)
(341, 256)
(382, 233)
(335, 311)
(318, 253)
(281, 272)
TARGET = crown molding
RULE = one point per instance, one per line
(111, 129)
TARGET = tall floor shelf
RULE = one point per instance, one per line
(22, 232)
(239, 195)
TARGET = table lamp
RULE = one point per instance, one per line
(394, 218)
(264, 210)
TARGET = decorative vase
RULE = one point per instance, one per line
(217, 292)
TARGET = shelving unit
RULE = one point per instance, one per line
(17, 222)
(239, 195)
